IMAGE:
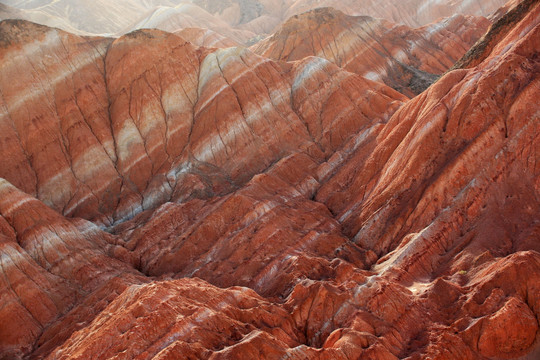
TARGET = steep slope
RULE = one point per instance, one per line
(503, 10)
(449, 197)
(348, 226)
(149, 111)
(443, 200)
(506, 17)
(96, 118)
(405, 59)
(50, 265)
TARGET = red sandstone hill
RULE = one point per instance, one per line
(406, 59)
(160, 119)
(260, 209)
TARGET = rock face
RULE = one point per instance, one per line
(160, 119)
(50, 264)
(262, 209)
(406, 59)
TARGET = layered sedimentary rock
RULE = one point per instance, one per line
(465, 154)
(150, 111)
(49, 265)
(406, 59)
(441, 204)
(507, 16)
(320, 219)
(246, 238)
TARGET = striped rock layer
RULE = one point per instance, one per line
(406, 59)
(149, 117)
(258, 209)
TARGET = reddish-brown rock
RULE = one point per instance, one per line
(308, 215)
(150, 111)
(185, 318)
(406, 59)
(233, 240)
(49, 266)
(497, 341)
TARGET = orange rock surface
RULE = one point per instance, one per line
(166, 201)
(49, 265)
(406, 59)
(159, 119)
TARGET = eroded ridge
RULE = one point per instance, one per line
(324, 217)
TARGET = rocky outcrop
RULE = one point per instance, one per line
(149, 111)
(57, 274)
(236, 239)
(505, 18)
(320, 218)
(191, 319)
(406, 59)
(477, 138)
